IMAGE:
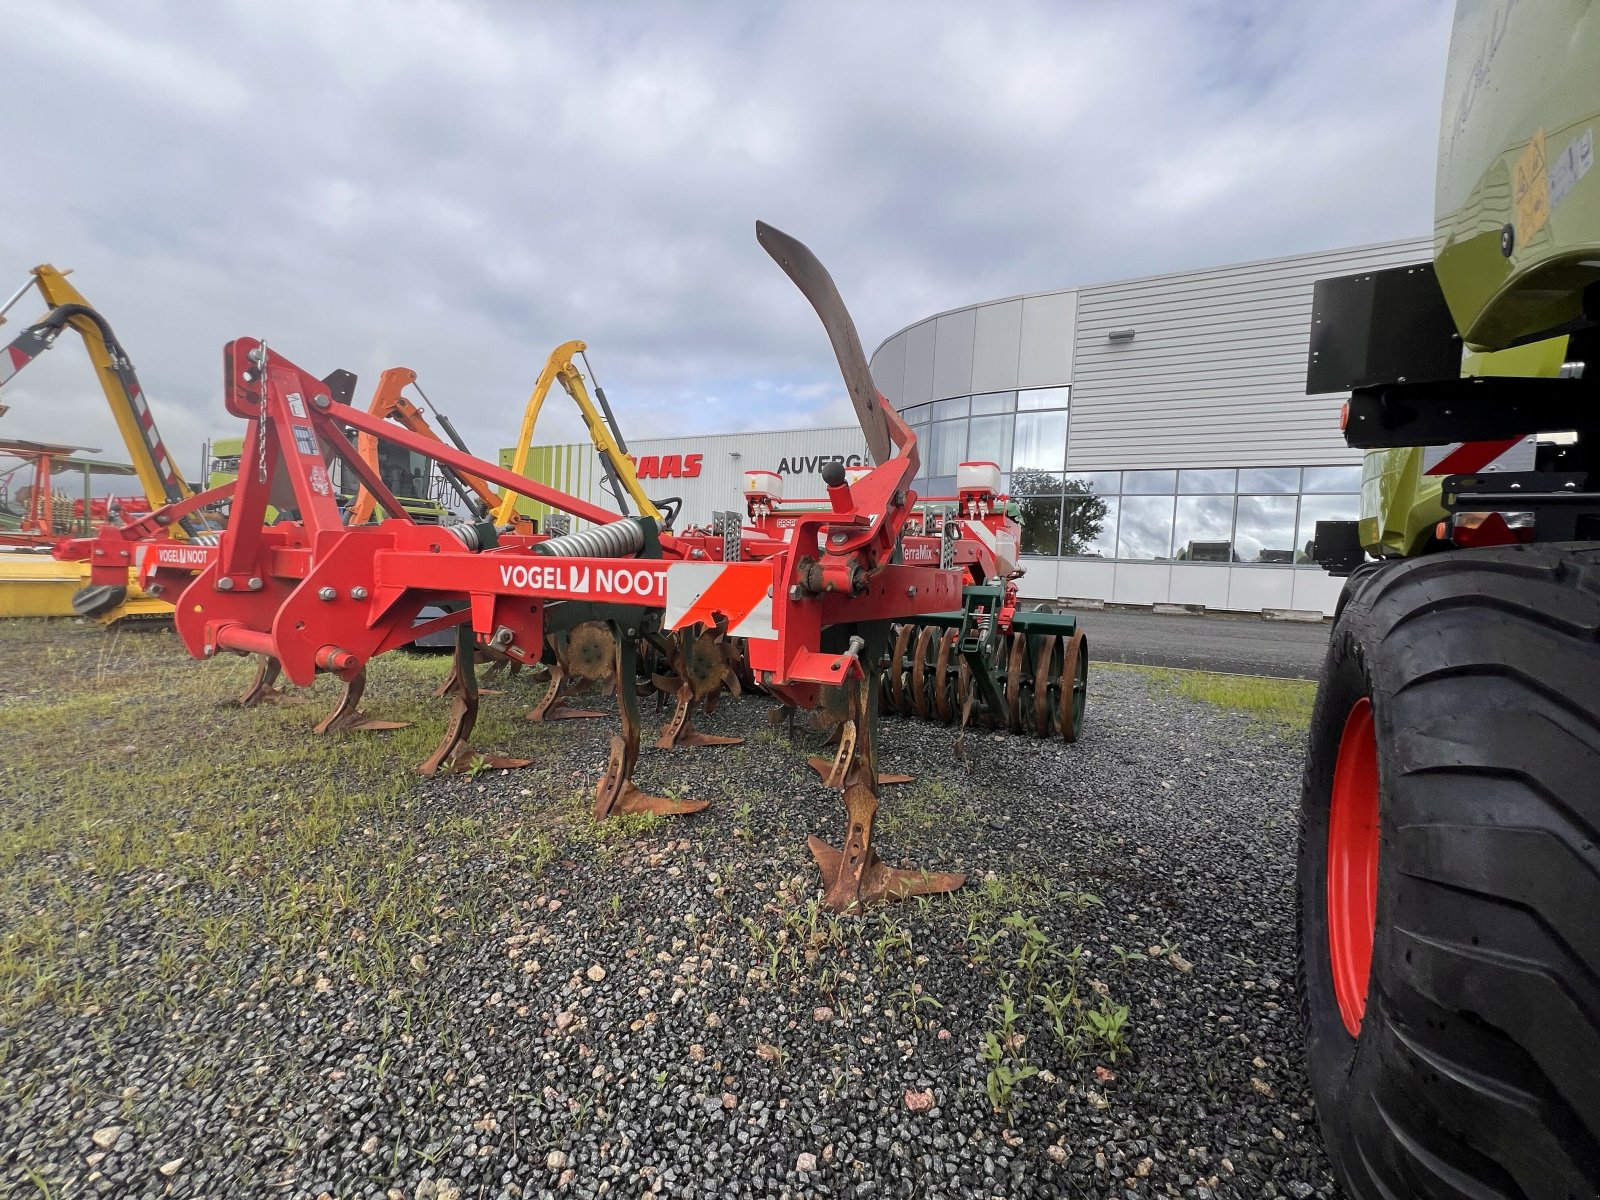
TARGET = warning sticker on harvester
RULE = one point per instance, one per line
(306, 441)
(1571, 165)
(1530, 190)
(1472, 458)
(296, 405)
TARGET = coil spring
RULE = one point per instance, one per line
(205, 539)
(467, 535)
(619, 539)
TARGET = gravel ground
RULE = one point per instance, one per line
(1214, 642)
(662, 1010)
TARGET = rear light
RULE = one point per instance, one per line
(1468, 529)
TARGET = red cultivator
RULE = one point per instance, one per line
(803, 612)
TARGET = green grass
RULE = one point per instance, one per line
(1285, 703)
(153, 831)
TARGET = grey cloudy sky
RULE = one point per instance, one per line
(459, 186)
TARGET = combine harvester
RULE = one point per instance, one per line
(810, 607)
(1450, 824)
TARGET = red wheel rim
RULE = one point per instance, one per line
(1353, 864)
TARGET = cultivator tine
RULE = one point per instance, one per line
(264, 687)
(832, 771)
(617, 793)
(498, 664)
(450, 682)
(347, 716)
(784, 714)
(453, 754)
(680, 731)
(853, 876)
(581, 659)
(701, 670)
(556, 703)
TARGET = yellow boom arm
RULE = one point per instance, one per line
(158, 473)
(559, 367)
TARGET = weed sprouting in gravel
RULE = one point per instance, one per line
(1002, 1052)
(919, 1004)
(1108, 1021)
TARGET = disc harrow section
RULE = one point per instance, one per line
(1026, 674)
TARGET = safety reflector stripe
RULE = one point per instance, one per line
(1467, 458)
(15, 359)
(980, 531)
(697, 593)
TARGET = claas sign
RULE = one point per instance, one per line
(666, 466)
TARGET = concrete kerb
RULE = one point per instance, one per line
(1308, 615)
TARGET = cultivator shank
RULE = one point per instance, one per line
(853, 875)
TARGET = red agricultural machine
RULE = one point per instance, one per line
(1026, 670)
(804, 609)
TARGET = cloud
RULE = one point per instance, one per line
(459, 186)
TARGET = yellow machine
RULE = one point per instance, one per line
(599, 420)
(158, 474)
(28, 587)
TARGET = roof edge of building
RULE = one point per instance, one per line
(1358, 248)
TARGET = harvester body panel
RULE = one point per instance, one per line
(1517, 208)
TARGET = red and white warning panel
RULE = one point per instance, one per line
(740, 593)
(1472, 458)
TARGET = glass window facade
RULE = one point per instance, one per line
(1262, 515)
(1198, 524)
(1149, 483)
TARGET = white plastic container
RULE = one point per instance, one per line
(978, 477)
(763, 483)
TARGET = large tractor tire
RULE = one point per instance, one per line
(1449, 879)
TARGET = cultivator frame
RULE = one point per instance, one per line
(804, 613)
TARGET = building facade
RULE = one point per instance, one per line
(1154, 432)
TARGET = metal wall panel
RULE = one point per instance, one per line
(1215, 373)
(996, 346)
(797, 454)
(889, 368)
(1048, 324)
(918, 387)
(952, 354)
